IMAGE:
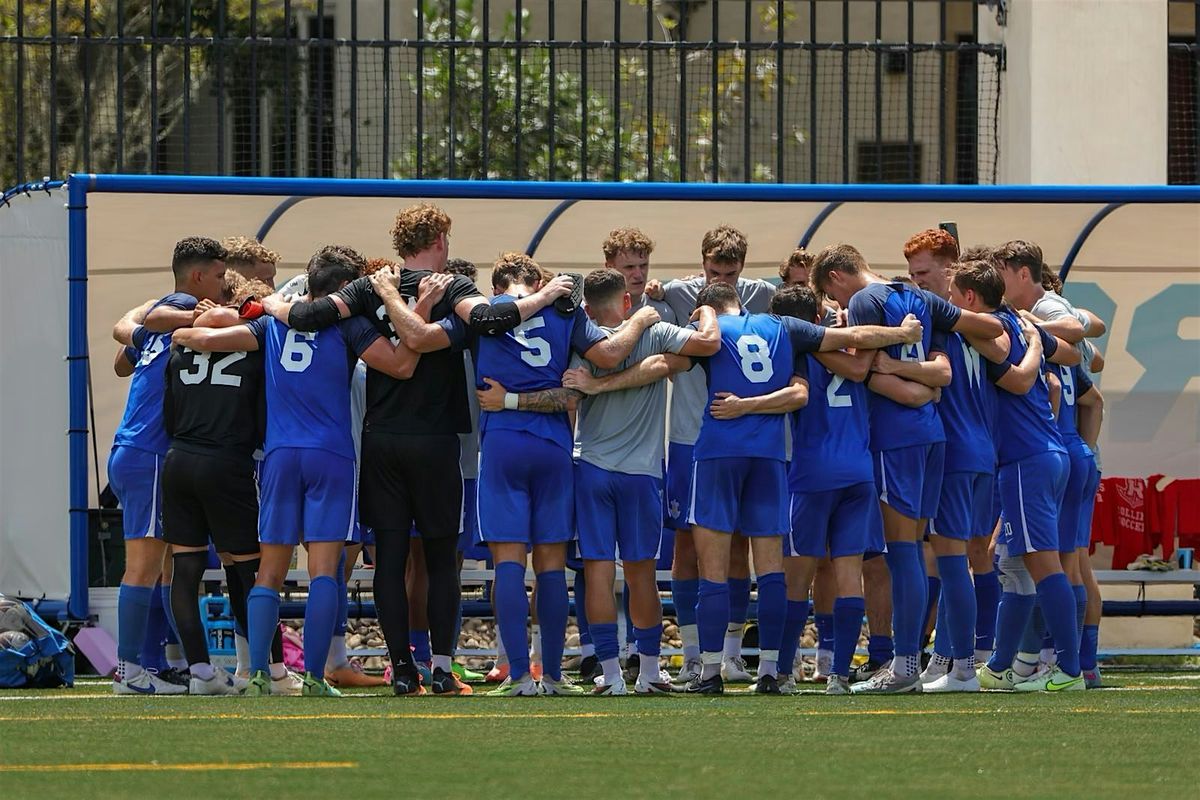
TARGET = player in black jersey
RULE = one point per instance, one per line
(410, 448)
(214, 410)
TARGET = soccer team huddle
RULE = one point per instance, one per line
(920, 450)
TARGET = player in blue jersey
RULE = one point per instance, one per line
(141, 442)
(833, 509)
(968, 411)
(526, 486)
(739, 481)
(1090, 417)
(1032, 475)
(907, 441)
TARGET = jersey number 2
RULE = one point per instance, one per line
(219, 378)
(755, 356)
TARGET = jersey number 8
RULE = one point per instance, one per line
(755, 355)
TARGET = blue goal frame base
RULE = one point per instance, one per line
(79, 186)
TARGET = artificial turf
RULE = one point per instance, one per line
(1139, 736)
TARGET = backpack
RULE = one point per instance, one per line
(32, 654)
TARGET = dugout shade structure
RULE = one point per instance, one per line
(75, 255)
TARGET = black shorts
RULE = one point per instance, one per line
(210, 496)
(408, 480)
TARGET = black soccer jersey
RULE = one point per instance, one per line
(214, 402)
(434, 400)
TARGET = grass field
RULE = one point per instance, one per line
(1142, 736)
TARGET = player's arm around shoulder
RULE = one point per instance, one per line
(608, 352)
(176, 310)
(852, 366)
(705, 338)
(555, 400)
(236, 339)
(793, 397)
(871, 337)
(912, 394)
(1019, 378)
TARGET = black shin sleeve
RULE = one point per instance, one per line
(185, 604)
(391, 595)
(441, 562)
(239, 576)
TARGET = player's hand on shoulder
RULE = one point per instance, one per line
(386, 280)
(646, 316)
(1027, 316)
(201, 307)
(433, 287)
(581, 380)
(558, 286)
(491, 398)
(726, 405)
(654, 289)
(884, 364)
(1028, 322)
(911, 329)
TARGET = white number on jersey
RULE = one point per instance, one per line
(1068, 386)
(219, 378)
(381, 312)
(756, 358)
(155, 345)
(912, 352)
(973, 363)
(834, 399)
(537, 349)
(297, 352)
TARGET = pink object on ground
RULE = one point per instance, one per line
(99, 648)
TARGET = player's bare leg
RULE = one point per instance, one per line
(733, 666)
(685, 574)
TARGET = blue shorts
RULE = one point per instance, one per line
(1089, 506)
(679, 484)
(135, 478)
(909, 479)
(616, 512)
(526, 490)
(666, 548)
(836, 522)
(743, 495)
(965, 509)
(1031, 491)
(468, 539)
(307, 495)
(366, 535)
(1076, 496)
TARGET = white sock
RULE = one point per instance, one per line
(648, 667)
(768, 663)
(204, 671)
(612, 670)
(710, 665)
(442, 663)
(535, 649)
(175, 657)
(1049, 656)
(242, 646)
(940, 663)
(278, 672)
(587, 650)
(126, 670)
(501, 655)
(690, 635)
(982, 656)
(337, 653)
(964, 668)
(733, 642)
(906, 666)
(1025, 665)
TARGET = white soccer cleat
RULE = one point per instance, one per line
(885, 681)
(662, 686)
(948, 683)
(220, 683)
(734, 670)
(1053, 681)
(605, 689)
(690, 671)
(290, 685)
(787, 684)
(934, 671)
(146, 682)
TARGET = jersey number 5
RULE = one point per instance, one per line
(219, 378)
(755, 356)
(537, 349)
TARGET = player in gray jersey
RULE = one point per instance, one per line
(723, 254)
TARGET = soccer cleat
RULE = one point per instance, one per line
(447, 684)
(867, 670)
(653, 687)
(1053, 681)
(179, 677)
(259, 685)
(766, 684)
(497, 674)
(290, 685)
(837, 684)
(407, 683)
(220, 683)
(525, 687)
(787, 684)
(713, 685)
(466, 675)
(734, 670)
(1003, 681)
(146, 683)
(563, 687)
(948, 683)
(426, 672)
(933, 672)
(1092, 678)
(351, 674)
(610, 689)
(589, 668)
(663, 676)
(885, 681)
(824, 666)
(313, 686)
(689, 671)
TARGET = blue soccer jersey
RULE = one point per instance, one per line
(894, 425)
(1075, 384)
(531, 357)
(967, 408)
(830, 435)
(1025, 424)
(142, 424)
(758, 356)
(308, 383)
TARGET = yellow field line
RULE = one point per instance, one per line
(278, 717)
(156, 767)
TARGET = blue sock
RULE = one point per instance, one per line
(604, 637)
(847, 625)
(1080, 592)
(793, 627)
(628, 619)
(824, 631)
(649, 640)
(152, 655)
(320, 616)
(772, 611)
(343, 609)
(739, 599)
(262, 616)
(1035, 630)
(933, 595)
(512, 615)
(1087, 647)
(133, 613)
(987, 599)
(1058, 607)
(684, 594)
(958, 603)
(552, 607)
(880, 649)
(1012, 617)
(941, 633)
(712, 615)
(581, 618)
(908, 596)
(422, 652)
